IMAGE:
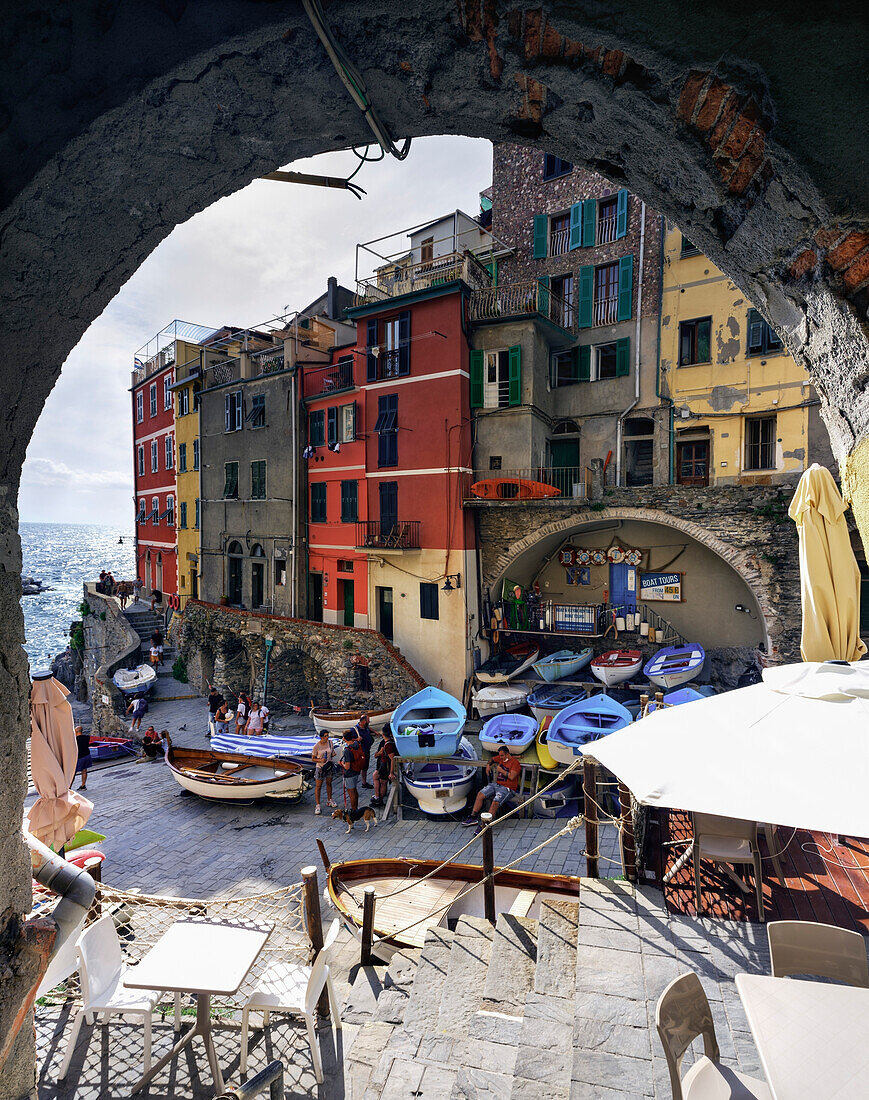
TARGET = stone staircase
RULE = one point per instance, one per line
(144, 622)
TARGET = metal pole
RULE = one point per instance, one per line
(272, 1075)
(488, 868)
(368, 900)
(589, 791)
(314, 922)
(628, 841)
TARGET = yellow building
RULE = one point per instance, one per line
(187, 384)
(743, 410)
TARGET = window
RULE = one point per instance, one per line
(153, 399)
(258, 480)
(564, 368)
(256, 418)
(154, 515)
(694, 341)
(167, 391)
(692, 462)
(232, 410)
(184, 401)
(317, 428)
(318, 502)
(388, 492)
(494, 462)
(140, 463)
(182, 514)
(390, 351)
(182, 458)
(426, 250)
(562, 300)
(606, 294)
(140, 518)
(760, 443)
(230, 481)
(196, 514)
(386, 427)
(280, 572)
(496, 385)
(332, 425)
(347, 416)
(604, 362)
(155, 456)
(345, 565)
(553, 167)
(140, 407)
(428, 601)
(762, 339)
(195, 454)
(496, 378)
(170, 452)
(349, 501)
(388, 355)
(607, 218)
(689, 249)
(559, 235)
(170, 511)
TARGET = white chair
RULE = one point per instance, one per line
(102, 970)
(728, 840)
(292, 987)
(683, 1014)
(819, 950)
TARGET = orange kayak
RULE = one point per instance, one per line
(513, 488)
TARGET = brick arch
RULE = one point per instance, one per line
(738, 560)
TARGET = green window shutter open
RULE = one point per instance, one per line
(476, 380)
(589, 214)
(541, 232)
(515, 397)
(622, 215)
(576, 225)
(543, 295)
(623, 357)
(586, 296)
(583, 363)
(626, 287)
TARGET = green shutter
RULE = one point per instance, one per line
(586, 296)
(576, 225)
(543, 295)
(589, 214)
(626, 287)
(583, 363)
(541, 233)
(623, 357)
(622, 215)
(515, 397)
(476, 380)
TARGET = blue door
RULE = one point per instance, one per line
(623, 585)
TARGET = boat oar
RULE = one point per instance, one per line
(327, 863)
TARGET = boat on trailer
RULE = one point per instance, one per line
(230, 776)
(428, 724)
(577, 726)
(520, 893)
(675, 665)
(438, 786)
(548, 699)
(295, 749)
(499, 699)
(563, 663)
(616, 665)
(336, 721)
(514, 732)
(509, 662)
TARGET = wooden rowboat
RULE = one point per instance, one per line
(520, 893)
(231, 776)
(336, 721)
(513, 488)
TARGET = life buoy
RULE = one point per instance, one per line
(616, 554)
(174, 601)
(567, 556)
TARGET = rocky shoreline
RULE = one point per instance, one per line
(30, 586)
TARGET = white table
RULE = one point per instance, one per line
(203, 957)
(812, 1038)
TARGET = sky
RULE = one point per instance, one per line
(246, 259)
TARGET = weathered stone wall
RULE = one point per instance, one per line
(110, 643)
(309, 661)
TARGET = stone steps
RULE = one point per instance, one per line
(556, 948)
(512, 964)
(431, 972)
(462, 991)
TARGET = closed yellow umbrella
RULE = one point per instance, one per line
(829, 577)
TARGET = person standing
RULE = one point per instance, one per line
(157, 640)
(138, 585)
(323, 755)
(83, 745)
(257, 719)
(384, 766)
(156, 597)
(215, 702)
(362, 730)
(504, 771)
(242, 710)
(138, 708)
(352, 763)
(222, 719)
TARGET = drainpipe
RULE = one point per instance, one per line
(293, 445)
(636, 400)
(671, 444)
(269, 643)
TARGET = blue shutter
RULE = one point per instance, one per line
(576, 225)
(622, 215)
(541, 234)
(371, 359)
(623, 357)
(626, 287)
(586, 296)
(515, 375)
(583, 363)
(543, 295)
(477, 379)
(589, 217)
(332, 422)
(404, 342)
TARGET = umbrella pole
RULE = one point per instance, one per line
(589, 791)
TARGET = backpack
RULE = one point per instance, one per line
(356, 756)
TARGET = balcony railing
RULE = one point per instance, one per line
(606, 310)
(332, 379)
(529, 483)
(375, 534)
(267, 361)
(405, 278)
(520, 299)
(606, 229)
(559, 242)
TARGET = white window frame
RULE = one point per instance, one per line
(184, 401)
(167, 392)
(595, 365)
(155, 456)
(140, 518)
(195, 454)
(232, 417)
(141, 460)
(155, 507)
(140, 407)
(170, 508)
(493, 392)
(347, 427)
(170, 452)
(152, 405)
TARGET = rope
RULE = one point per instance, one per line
(837, 862)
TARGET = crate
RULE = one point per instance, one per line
(577, 619)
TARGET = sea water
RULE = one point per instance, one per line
(63, 556)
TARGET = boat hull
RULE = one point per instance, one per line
(616, 671)
(339, 721)
(441, 788)
(547, 760)
(546, 702)
(233, 777)
(673, 667)
(428, 724)
(495, 733)
(578, 726)
(513, 488)
(556, 667)
(145, 679)
(501, 676)
(499, 700)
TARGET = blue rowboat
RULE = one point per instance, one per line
(548, 700)
(563, 663)
(676, 698)
(584, 722)
(675, 665)
(428, 724)
(296, 748)
(514, 731)
(438, 787)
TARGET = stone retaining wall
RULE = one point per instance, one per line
(110, 643)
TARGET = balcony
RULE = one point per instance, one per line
(559, 242)
(405, 278)
(540, 483)
(267, 361)
(375, 534)
(498, 303)
(606, 310)
(606, 229)
(328, 380)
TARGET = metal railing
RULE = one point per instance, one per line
(328, 380)
(529, 483)
(271, 1078)
(520, 299)
(405, 278)
(606, 310)
(606, 229)
(267, 361)
(559, 242)
(377, 534)
(387, 364)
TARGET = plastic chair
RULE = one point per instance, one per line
(820, 950)
(683, 1014)
(726, 840)
(293, 987)
(103, 991)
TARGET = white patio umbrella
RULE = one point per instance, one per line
(793, 750)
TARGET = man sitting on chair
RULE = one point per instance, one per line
(504, 771)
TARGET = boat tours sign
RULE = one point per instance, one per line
(661, 586)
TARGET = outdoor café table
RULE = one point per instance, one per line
(811, 1036)
(203, 957)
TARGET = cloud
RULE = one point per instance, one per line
(47, 473)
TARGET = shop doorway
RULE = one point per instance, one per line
(564, 466)
(623, 585)
(692, 462)
(233, 582)
(347, 602)
(384, 612)
(315, 597)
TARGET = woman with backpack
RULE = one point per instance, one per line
(352, 763)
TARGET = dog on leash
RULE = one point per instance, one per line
(364, 813)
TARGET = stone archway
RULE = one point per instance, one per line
(703, 113)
